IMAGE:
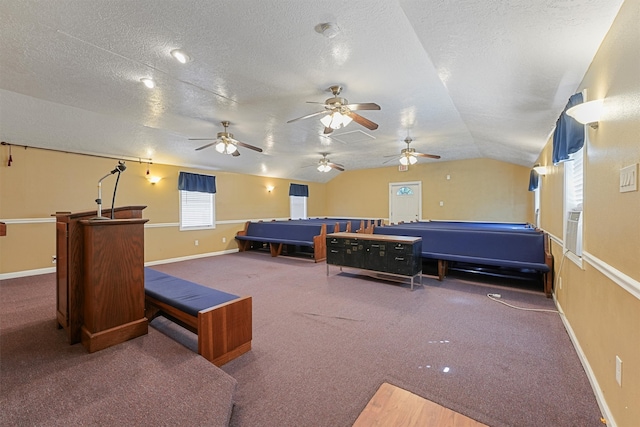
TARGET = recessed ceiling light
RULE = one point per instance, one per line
(181, 56)
(148, 83)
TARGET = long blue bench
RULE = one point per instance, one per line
(278, 234)
(472, 225)
(222, 321)
(518, 250)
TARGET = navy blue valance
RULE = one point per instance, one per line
(299, 190)
(568, 136)
(196, 182)
(533, 180)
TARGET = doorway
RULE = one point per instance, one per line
(405, 201)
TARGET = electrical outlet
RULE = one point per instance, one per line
(619, 371)
(53, 259)
(196, 243)
(224, 240)
(441, 203)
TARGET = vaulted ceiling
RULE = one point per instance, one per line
(463, 79)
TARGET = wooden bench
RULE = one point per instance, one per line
(278, 234)
(222, 321)
(522, 249)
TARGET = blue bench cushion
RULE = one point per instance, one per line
(499, 248)
(186, 296)
(290, 233)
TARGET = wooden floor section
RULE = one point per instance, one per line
(393, 406)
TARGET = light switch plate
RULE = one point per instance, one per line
(629, 178)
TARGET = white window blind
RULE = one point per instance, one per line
(575, 180)
(196, 210)
(298, 207)
(574, 197)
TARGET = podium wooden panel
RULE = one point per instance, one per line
(71, 266)
(113, 282)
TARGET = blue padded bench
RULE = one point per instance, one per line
(511, 249)
(278, 234)
(222, 321)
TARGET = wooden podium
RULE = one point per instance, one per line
(100, 276)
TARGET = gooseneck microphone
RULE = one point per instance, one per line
(118, 169)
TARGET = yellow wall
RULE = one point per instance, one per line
(478, 189)
(41, 182)
(601, 300)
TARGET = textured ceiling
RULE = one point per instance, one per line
(464, 79)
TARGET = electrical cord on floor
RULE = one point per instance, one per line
(496, 298)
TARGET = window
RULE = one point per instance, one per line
(404, 191)
(197, 201)
(573, 201)
(298, 207)
(298, 194)
(196, 210)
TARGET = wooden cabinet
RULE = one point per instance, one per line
(99, 272)
(391, 255)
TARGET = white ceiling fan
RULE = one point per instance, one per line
(409, 156)
(338, 112)
(325, 165)
(225, 143)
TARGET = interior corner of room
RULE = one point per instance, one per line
(433, 130)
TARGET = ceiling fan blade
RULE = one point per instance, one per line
(431, 156)
(336, 166)
(363, 106)
(327, 130)
(202, 139)
(307, 116)
(387, 161)
(250, 147)
(363, 122)
(205, 146)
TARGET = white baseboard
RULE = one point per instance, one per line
(602, 403)
(186, 258)
(25, 273)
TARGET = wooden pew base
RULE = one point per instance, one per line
(224, 331)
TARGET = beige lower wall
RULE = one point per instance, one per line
(605, 320)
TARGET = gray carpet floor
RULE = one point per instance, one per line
(322, 345)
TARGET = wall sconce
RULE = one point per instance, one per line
(269, 188)
(540, 170)
(587, 113)
(153, 179)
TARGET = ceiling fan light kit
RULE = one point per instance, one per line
(336, 120)
(225, 147)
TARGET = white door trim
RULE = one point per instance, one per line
(401, 184)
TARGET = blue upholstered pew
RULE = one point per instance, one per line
(284, 233)
(501, 248)
(222, 321)
(471, 225)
